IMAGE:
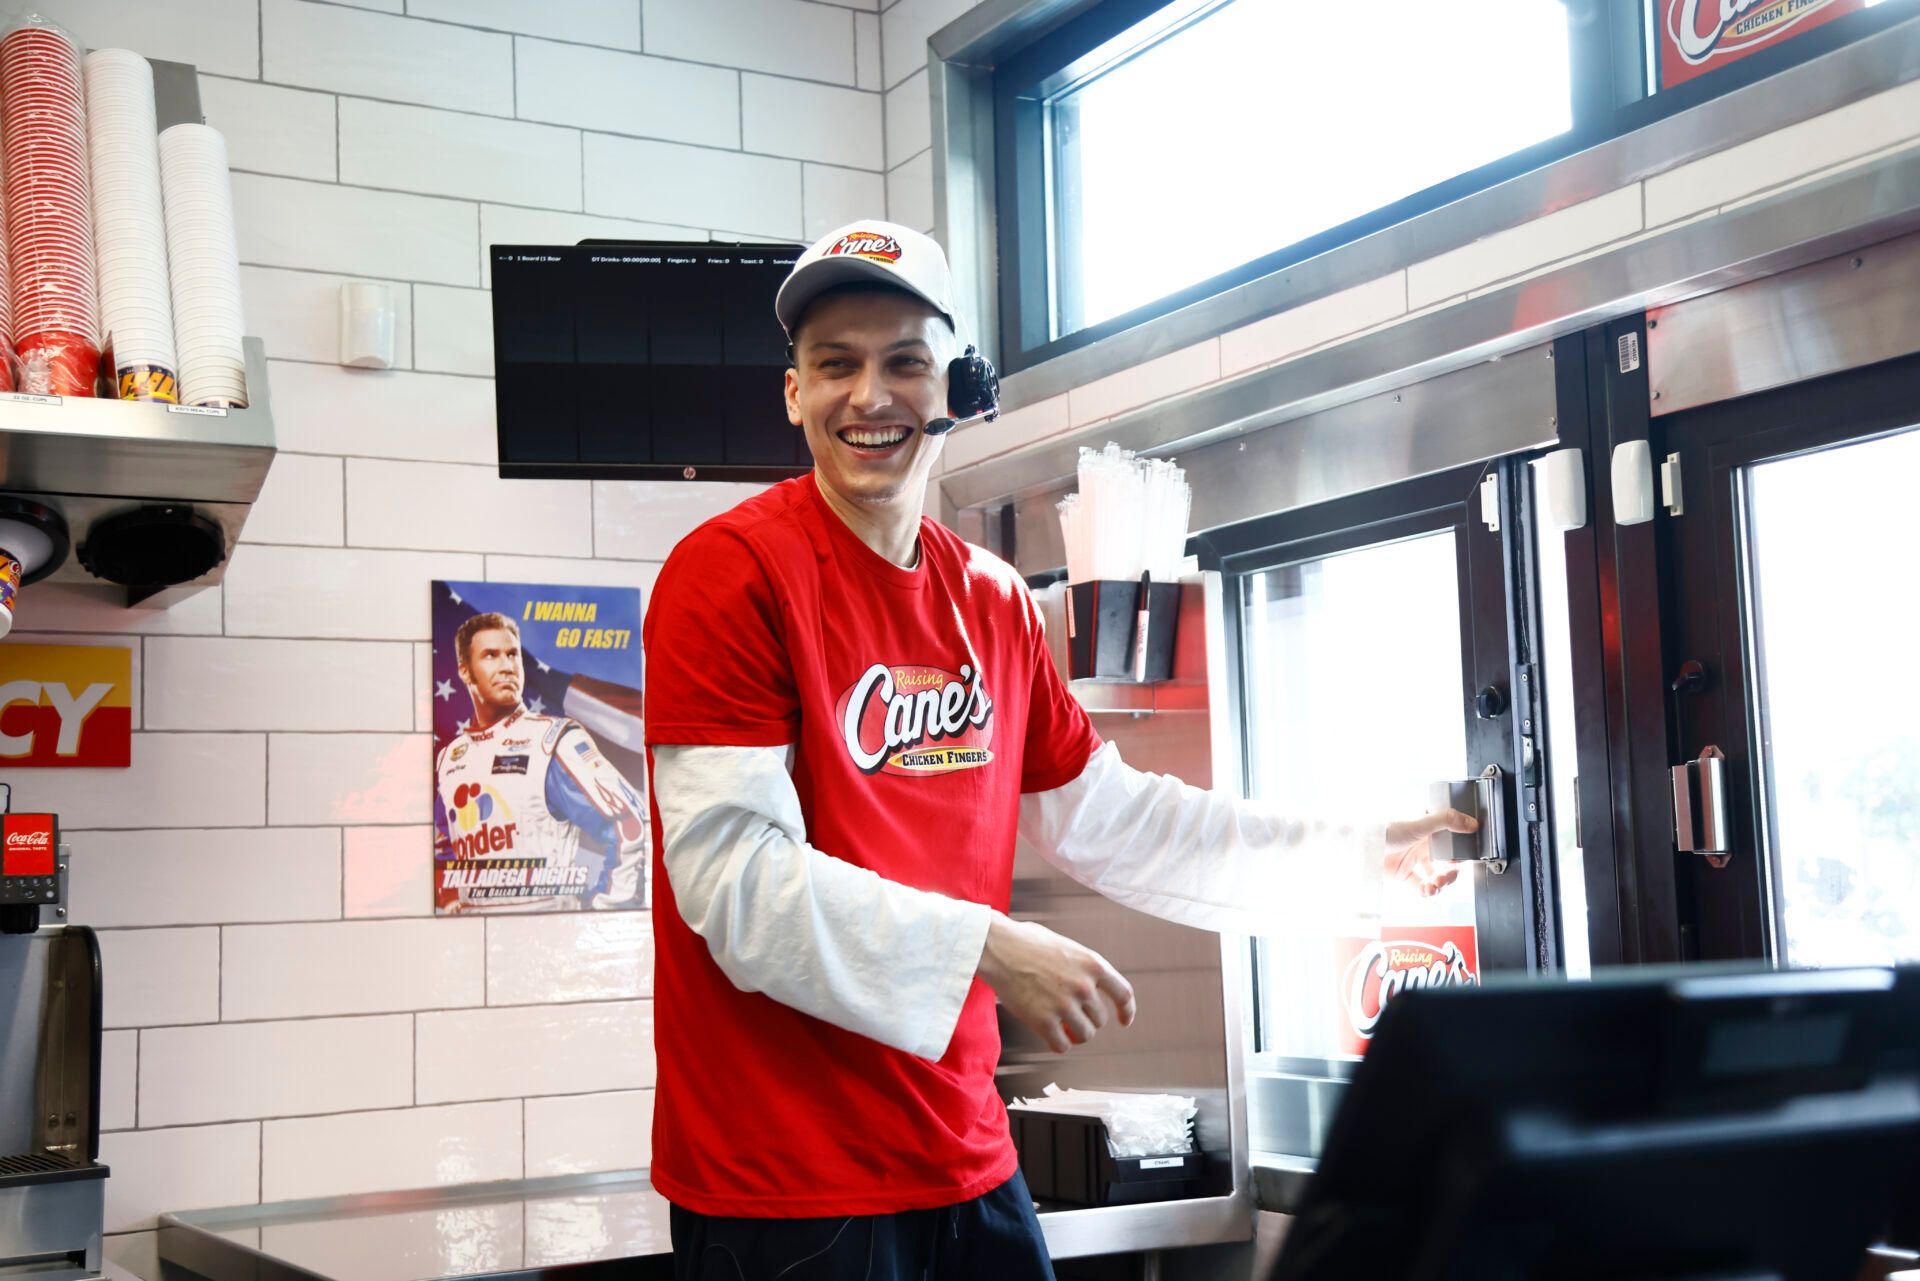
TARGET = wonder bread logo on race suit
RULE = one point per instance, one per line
(870, 245)
(915, 720)
(1384, 968)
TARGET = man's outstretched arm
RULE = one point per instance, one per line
(1206, 859)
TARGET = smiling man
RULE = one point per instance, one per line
(850, 713)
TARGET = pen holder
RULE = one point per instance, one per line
(1111, 637)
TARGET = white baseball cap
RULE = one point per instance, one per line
(871, 250)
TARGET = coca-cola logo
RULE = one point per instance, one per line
(913, 720)
(871, 245)
(1387, 967)
(1731, 25)
(28, 846)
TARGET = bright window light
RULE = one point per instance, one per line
(1268, 121)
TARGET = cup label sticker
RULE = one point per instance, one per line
(205, 411)
(28, 398)
(149, 382)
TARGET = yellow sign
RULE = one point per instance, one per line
(66, 705)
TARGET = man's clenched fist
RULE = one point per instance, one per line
(1062, 991)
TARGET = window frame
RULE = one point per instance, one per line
(1609, 62)
(1731, 913)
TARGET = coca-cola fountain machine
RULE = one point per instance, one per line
(52, 1185)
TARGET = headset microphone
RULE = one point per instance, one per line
(973, 393)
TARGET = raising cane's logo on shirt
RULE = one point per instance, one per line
(867, 244)
(916, 720)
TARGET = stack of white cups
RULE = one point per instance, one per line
(129, 226)
(205, 263)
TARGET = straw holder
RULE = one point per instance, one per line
(1111, 637)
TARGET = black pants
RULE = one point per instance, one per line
(993, 1236)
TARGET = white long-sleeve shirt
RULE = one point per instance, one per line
(887, 961)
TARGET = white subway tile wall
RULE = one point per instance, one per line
(391, 504)
(692, 186)
(371, 413)
(909, 119)
(160, 977)
(627, 93)
(574, 956)
(195, 1167)
(119, 1063)
(910, 191)
(323, 46)
(296, 1067)
(201, 876)
(211, 682)
(779, 36)
(589, 1133)
(418, 1148)
(273, 794)
(316, 779)
(297, 315)
(351, 967)
(303, 501)
(387, 871)
(520, 1051)
(269, 129)
(815, 122)
(336, 592)
(835, 197)
(613, 23)
(451, 153)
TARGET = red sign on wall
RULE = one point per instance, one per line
(1375, 970)
(66, 705)
(1697, 36)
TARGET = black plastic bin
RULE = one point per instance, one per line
(1067, 1159)
(1103, 631)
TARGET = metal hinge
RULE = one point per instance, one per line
(1490, 501)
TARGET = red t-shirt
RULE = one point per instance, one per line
(766, 624)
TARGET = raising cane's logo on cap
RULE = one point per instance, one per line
(870, 245)
(1384, 968)
(915, 720)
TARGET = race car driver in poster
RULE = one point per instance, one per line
(531, 815)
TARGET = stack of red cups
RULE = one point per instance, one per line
(43, 140)
(6, 316)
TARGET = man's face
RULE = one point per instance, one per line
(870, 372)
(492, 672)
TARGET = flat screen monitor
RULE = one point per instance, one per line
(1698, 1128)
(642, 361)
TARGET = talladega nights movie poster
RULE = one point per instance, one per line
(537, 756)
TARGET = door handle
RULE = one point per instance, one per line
(1485, 798)
(1700, 807)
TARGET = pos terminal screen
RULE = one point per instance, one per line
(642, 361)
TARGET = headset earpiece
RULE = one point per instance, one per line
(973, 387)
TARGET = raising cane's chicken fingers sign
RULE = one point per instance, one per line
(1698, 36)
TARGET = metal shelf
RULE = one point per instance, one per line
(92, 458)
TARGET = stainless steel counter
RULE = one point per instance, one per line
(580, 1226)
